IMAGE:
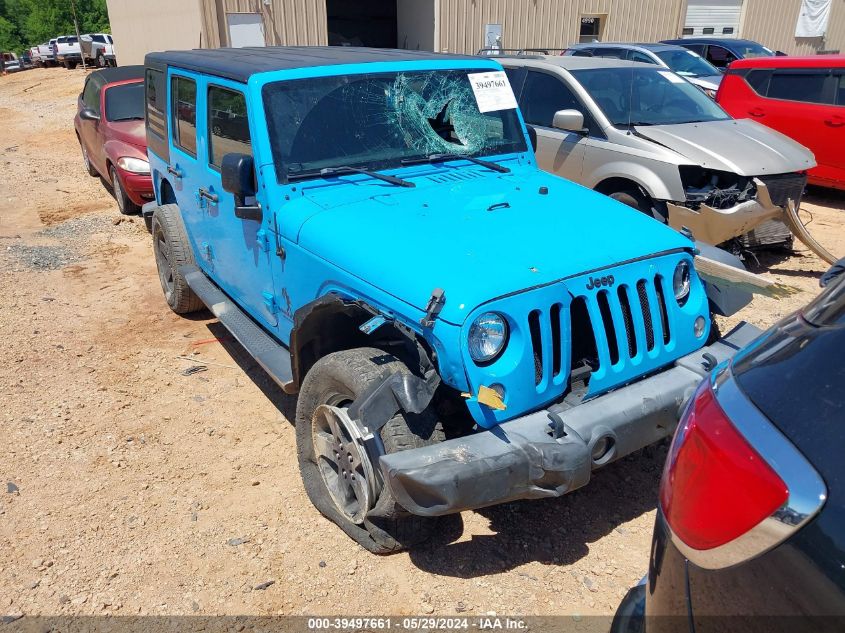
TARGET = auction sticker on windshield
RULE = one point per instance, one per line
(492, 91)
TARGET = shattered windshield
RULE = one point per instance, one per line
(642, 96)
(374, 121)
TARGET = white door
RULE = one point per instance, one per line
(245, 29)
(716, 18)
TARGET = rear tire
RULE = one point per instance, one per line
(337, 380)
(124, 203)
(172, 251)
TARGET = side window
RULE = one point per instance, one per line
(228, 126)
(583, 52)
(515, 77)
(806, 87)
(840, 90)
(637, 56)
(544, 95)
(695, 48)
(758, 79)
(91, 95)
(720, 56)
(156, 103)
(183, 93)
(611, 53)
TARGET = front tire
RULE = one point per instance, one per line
(640, 201)
(86, 159)
(334, 470)
(124, 202)
(172, 251)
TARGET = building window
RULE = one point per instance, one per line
(728, 30)
(591, 26)
(184, 97)
(708, 30)
(228, 126)
(688, 30)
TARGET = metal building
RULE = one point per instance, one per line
(461, 26)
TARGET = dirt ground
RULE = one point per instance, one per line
(129, 488)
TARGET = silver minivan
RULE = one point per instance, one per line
(647, 137)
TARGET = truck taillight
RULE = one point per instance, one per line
(715, 486)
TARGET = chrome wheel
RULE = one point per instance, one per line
(342, 460)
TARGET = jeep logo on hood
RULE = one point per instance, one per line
(598, 282)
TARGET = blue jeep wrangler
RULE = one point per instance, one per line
(461, 328)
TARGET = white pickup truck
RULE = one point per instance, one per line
(66, 51)
(42, 55)
(98, 48)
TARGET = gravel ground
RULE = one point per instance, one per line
(128, 488)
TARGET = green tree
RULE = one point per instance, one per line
(24, 23)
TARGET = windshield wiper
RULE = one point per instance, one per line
(442, 158)
(348, 169)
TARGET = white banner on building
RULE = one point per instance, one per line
(813, 18)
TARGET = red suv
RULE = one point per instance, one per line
(802, 97)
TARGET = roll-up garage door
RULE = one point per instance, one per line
(716, 18)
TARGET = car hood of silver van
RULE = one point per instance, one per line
(741, 146)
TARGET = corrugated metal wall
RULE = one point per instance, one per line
(286, 22)
(772, 23)
(139, 27)
(555, 23)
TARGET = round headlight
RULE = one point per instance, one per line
(681, 282)
(488, 336)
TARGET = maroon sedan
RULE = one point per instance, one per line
(110, 127)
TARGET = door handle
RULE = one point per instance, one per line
(174, 171)
(835, 121)
(758, 112)
(211, 197)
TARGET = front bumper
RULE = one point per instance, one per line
(522, 458)
(139, 187)
(715, 226)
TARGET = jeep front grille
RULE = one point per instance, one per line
(610, 327)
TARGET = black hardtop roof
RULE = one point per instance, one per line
(121, 73)
(239, 64)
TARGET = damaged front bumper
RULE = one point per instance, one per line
(551, 452)
(715, 226)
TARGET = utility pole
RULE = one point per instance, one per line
(78, 36)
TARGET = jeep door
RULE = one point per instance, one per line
(184, 169)
(243, 248)
(540, 94)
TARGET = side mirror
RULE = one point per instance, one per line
(237, 174)
(532, 137)
(87, 114)
(569, 121)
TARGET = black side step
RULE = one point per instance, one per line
(269, 353)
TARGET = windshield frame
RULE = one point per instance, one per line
(518, 145)
(691, 91)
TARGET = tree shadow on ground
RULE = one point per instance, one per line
(551, 531)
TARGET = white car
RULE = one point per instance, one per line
(98, 49)
(66, 51)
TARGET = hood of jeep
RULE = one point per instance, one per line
(478, 238)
